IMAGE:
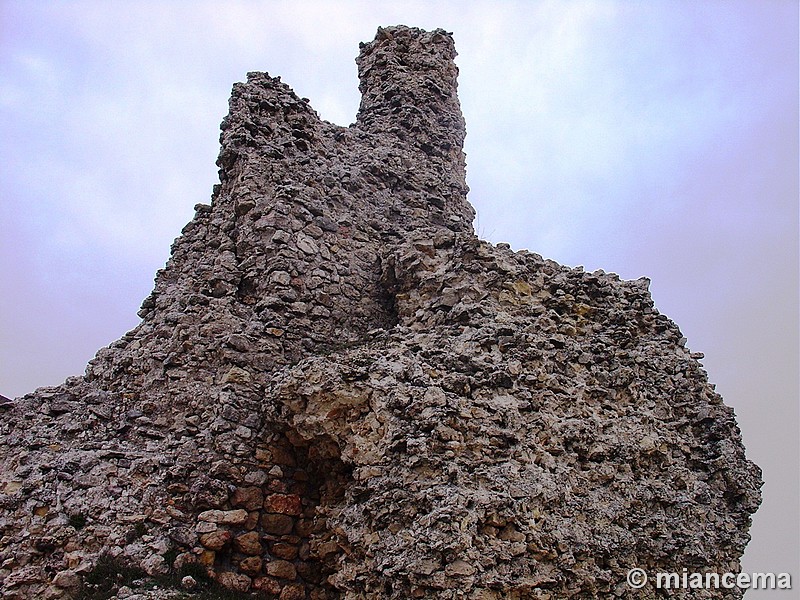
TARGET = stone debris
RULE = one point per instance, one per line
(338, 391)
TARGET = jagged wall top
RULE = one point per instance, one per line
(407, 139)
(302, 202)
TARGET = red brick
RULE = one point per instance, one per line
(285, 504)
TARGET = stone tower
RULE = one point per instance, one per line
(338, 391)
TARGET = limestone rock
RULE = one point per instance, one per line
(338, 391)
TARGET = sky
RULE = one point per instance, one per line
(654, 139)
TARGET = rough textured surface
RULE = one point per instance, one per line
(338, 391)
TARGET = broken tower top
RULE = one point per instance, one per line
(409, 89)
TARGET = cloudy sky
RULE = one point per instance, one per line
(645, 138)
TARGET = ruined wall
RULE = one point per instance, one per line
(338, 391)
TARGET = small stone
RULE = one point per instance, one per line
(277, 524)
(425, 567)
(449, 298)
(67, 580)
(510, 534)
(459, 568)
(243, 433)
(216, 540)
(307, 245)
(189, 583)
(293, 592)
(326, 548)
(313, 231)
(255, 477)
(281, 237)
(183, 559)
(280, 278)
(155, 565)
(224, 517)
(251, 565)
(248, 543)
(281, 568)
(205, 527)
(236, 375)
(517, 548)
(268, 585)
(250, 498)
(234, 581)
(286, 504)
(285, 551)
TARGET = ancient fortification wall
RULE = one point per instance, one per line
(338, 391)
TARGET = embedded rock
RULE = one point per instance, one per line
(338, 391)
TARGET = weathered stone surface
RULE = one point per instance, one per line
(282, 569)
(293, 592)
(188, 583)
(251, 565)
(225, 517)
(284, 551)
(234, 581)
(277, 524)
(251, 498)
(67, 579)
(337, 389)
(155, 565)
(267, 585)
(248, 543)
(216, 540)
(285, 504)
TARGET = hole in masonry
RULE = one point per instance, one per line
(284, 548)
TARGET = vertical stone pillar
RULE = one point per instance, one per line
(409, 90)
